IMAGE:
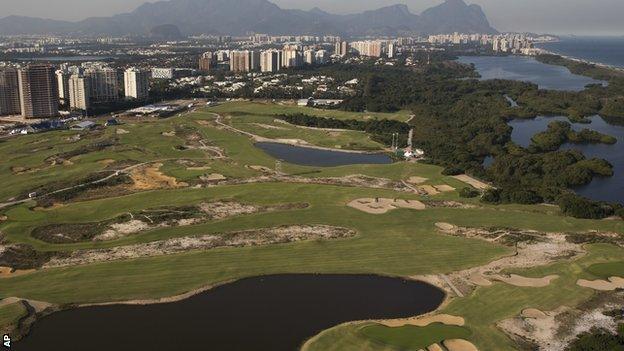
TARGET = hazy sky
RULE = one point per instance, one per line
(553, 16)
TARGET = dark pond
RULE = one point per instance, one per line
(529, 70)
(605, 189)
(269, 313)
(320, 158)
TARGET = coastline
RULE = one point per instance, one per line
(544, 51)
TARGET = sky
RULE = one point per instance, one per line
(581, 17)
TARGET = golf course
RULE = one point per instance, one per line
(156, 210)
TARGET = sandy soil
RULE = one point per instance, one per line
(520, 281)
(602, 285)
(424, 321)
(383, 205)
(435, 347)
(533, 249)
(416, 180)
(169, 134)
(120, 230)
(8, 272)
(444, 188)
(261, 169)
(150, 177)
(120, 131)
(254, 237)
(430, 190)
(459, 345)
(477, 184)
(554, 330)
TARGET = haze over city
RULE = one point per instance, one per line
(581, 17)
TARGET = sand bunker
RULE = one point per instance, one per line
(444, 188)
(459, 345)
(169, 134)
(121, 131)
(253, 237)
(416, 180)
(424, 321)
(477, 184)
(383, 205)
(520, 281)
(435, 347)
(602, 285)
(429, 189)
(150, 177)
(478, 279)
(261, 169)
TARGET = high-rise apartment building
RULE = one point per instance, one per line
(38, 91)
(370, 48)
(207, 61)
(62, 81)
(244, 61)
(270, 60)
(9, 92)
(342, 48)
(104, 82)
(79, 90)
(136, 83)
(309, 57)
(291, 57)
(322, 57)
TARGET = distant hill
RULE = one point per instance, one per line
(238, 17)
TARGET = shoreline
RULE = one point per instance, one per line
(545, 51)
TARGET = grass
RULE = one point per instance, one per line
(607, 270)
(412, 337)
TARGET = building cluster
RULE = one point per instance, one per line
(37, 90)
(270, 60)
(514, 43)
(517, 43)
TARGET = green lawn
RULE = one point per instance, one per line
(11, 314)
(414, 338)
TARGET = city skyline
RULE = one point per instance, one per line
(561, 17)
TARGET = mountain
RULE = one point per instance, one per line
(238, 17)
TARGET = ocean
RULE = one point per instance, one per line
(605, 50)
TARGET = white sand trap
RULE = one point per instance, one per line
(602, 285)
(261, 168)
(445, 226)
(383, 205)
(416, 180)
(520, 281)
(478, 279)
(477, 184)
(169, 134)
(533, 313)
(459, 345)
(430, 190)
(435, 347)
(121, 131)
(444, 188)
(425, 321)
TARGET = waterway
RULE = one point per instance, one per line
(272, 313)
(528, 69)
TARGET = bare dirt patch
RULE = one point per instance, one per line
(429, 189)
(150, 177)
(383, 205)
(444, 188)
(254, 237)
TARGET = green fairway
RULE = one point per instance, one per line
(414, 338)
(607, 270)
